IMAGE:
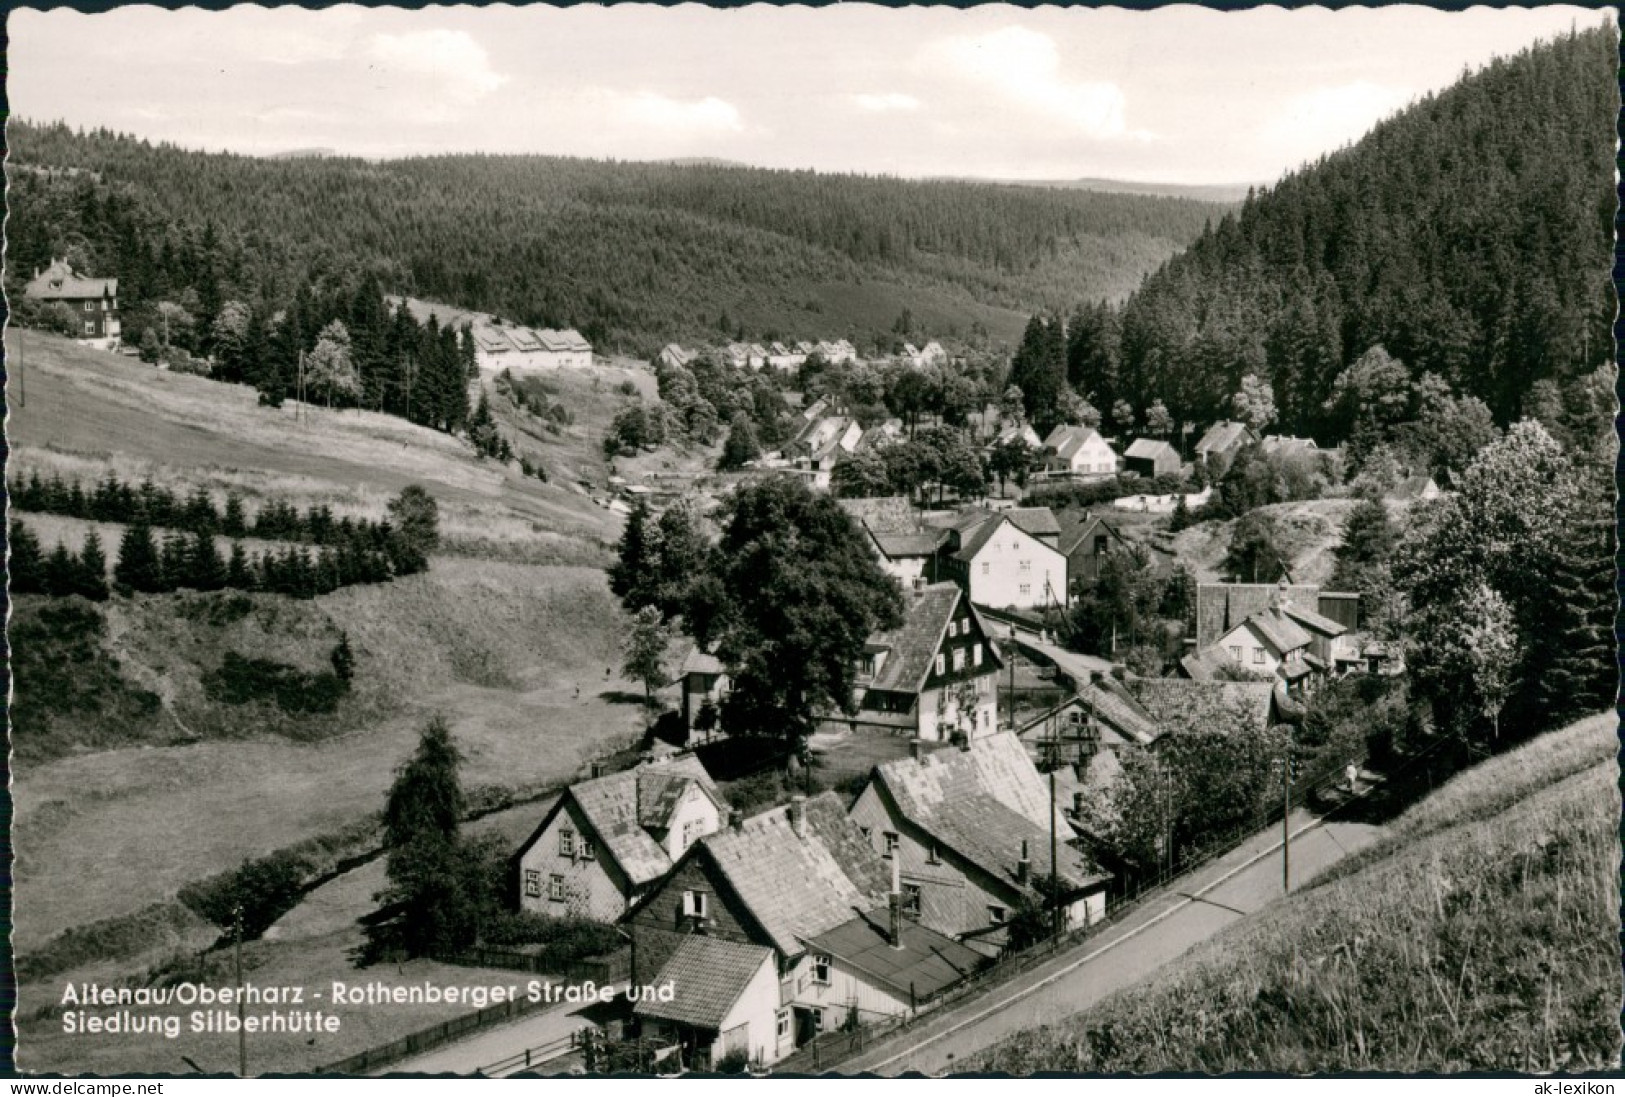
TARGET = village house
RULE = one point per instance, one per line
(1000, 564)
(801, 882)
(1078, 453)
(1286, 639)
(672, 356)
(1018, 432)
(725, 998)
(1220, 607)
(608, 839)
(1086, 540)
(1151, 457)
(821, 445)
(933, 677)
(516, 348)
(784, 358)
(704, 683)
(971, 832)
(1223, 441)
(1419, 488)
(92, 301)
(1282, 445)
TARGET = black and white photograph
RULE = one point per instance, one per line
(784, 540)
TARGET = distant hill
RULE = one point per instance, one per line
(631, 254)
(1219, 193)
(302, 154)
(1470, 235)
(1480, 934)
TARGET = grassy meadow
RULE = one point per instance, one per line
(1481, 934)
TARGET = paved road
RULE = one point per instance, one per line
(1198, 907)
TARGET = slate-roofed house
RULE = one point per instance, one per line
(1283, 445)
(1151, 457)
(1086, 540)
(608, 839)
(1101, 715)
(1000, 564)
(704, 681)
(1078, 452)
(776, 880)
(1220, 607)
(933, 675)
(971, 832)
(1223, 439)
(821, 445)
(907, 555)
(724, 1000)
(93, 301)
(1038, 521)
(674, 355)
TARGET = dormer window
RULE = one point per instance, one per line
(694, 904)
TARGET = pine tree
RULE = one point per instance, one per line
(27, 563)
(91, 580)
(139, 567)
(239, 574)
(61, 572)
(636, 559)
(233, 523)
(205, 571)
(175, 557)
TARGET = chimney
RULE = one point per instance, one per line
(1077, 803)
(896, 903)
(1024, 867)
(736, 820)
(1119, 671)
(798, 815)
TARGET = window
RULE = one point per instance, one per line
(1100, 546)
(959, 659)
(586, 850)
(567, 842)
(864, 831)
(1258, 655)
(555, 888)
(1235, 652)
(1026, 565)
(820, 971)
(942, 664)
(694, 904)
(1026, 589)
(533, 883)
(90, 306)
(911, 900)
(995, 916)
(976, 656)
(817, 1019)
(890, 838)
(932, 856)
(90, 327)
(984, 568)
(783, 1020)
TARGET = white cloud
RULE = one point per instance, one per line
(886, 101)
(451, 57)
(1024, 67)
(680, 117)
(1328, 117)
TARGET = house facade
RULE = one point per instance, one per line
(1151, 457)
(1001, 565)
(935, 675)
(1223, 440)
(92, 301)
(1087, 540)
(607, 840)
(1079, 453)
(517, 348)
(724, 1001)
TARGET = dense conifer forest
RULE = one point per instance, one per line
(631, 254)
(1468, 236)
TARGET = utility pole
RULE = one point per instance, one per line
(1286, 817)
(22, 384)
(1012, 698)
(1054, 862)
(300, 411)
(242, 1032)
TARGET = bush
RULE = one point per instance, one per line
(556, 943)
(265, 890)
(241, 681)
(735, 1062)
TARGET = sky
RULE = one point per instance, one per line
(1177, 95)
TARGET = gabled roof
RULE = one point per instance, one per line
(798, 886)
(1286, 444)
(884, 512)
(1414, 487)
(524, 339)
(677, 354)
(1178, 702)
(927, 963)
(709, 975)
(1313, 621)
(982, 803)
(1038, 521)
(1220, 607)
(1079, 526)
(1067, 440)
(699, 661)
(59, 282)
(1204, 665)
(1224, 434)
(899, 545)
(1278, 630)
(491, 340)
(621, 807)
(1151, 449)
(913, 645)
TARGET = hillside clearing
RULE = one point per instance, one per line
(1310, 531)
(1481, 935)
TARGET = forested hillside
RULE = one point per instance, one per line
(1469, 236)
(633, 255)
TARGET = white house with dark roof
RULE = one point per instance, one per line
(1001, 564)
(1078, 453)
(934, 675)
(673, 355)
(1223, 439)
(970, 830)
(92, 301)
(607, 840)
